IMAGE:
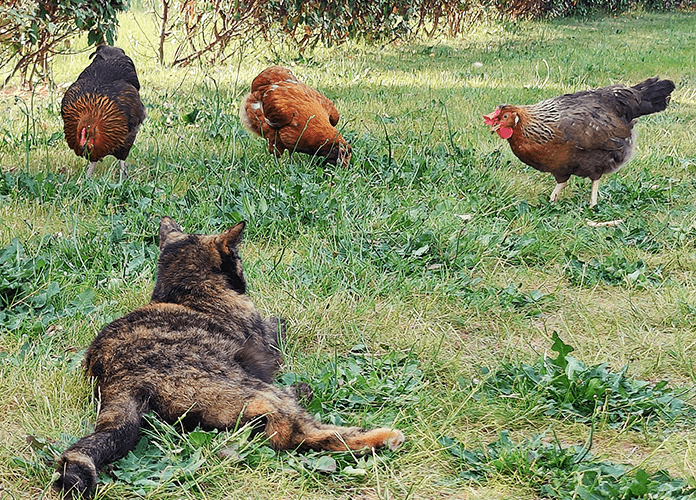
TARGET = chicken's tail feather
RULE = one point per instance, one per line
(251, 114)
(655, 95)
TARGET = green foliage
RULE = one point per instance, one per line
(338, 466)
(15, 268)
(563, 473)
(33, 31)
(166, 458)
(511, 297)
(614, 269)
(334, 22)
(540, 9)
(564, 387)
(208, 30)
(29, 302)
(41, 186)
(361, 382)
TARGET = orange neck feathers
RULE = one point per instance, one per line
(95, 127)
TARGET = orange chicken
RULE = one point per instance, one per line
(293, 116)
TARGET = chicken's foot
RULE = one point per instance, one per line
(556, 191)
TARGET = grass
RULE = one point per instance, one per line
(435, 257)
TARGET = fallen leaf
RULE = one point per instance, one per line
(608, 223)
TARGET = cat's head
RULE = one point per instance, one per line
(195, 263)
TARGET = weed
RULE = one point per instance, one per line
(564, 387)
(614, 269)
(27, 299)
(561, 472)
(166, 458)
(362, 382)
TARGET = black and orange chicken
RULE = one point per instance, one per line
(588, 133)
(102, 109)
(293, 116)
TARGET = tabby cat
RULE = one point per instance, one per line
(199, 350)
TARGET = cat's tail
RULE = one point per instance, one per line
(116, 433)
(289, 426)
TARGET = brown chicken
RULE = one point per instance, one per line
(102, 110)
(587, 133)
(292, 116)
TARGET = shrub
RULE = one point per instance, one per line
(555, 471)
(581, 8)
(32, 31)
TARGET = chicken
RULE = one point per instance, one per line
(292, 116)
(588, 133)
(102, 110)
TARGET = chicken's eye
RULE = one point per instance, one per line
(506, 116)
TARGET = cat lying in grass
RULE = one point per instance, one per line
(201, 351)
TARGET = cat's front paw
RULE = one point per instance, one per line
(78, 476)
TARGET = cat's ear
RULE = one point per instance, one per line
(167, 229)
(230, 239)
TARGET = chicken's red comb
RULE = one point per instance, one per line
(490, 119)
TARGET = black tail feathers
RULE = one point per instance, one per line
(655, 95)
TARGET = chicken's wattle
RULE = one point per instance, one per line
(505, 132)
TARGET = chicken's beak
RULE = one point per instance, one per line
(490, 119)
(87, 148)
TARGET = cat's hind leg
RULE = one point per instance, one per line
(116, 433)
(289, 426)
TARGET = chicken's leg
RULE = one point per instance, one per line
(556, 191)
(595, 192)
(90, 168)
(124, 170)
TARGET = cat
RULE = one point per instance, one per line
(200, 352)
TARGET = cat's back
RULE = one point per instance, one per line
(162, 338)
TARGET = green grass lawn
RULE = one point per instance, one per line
(424, 285)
